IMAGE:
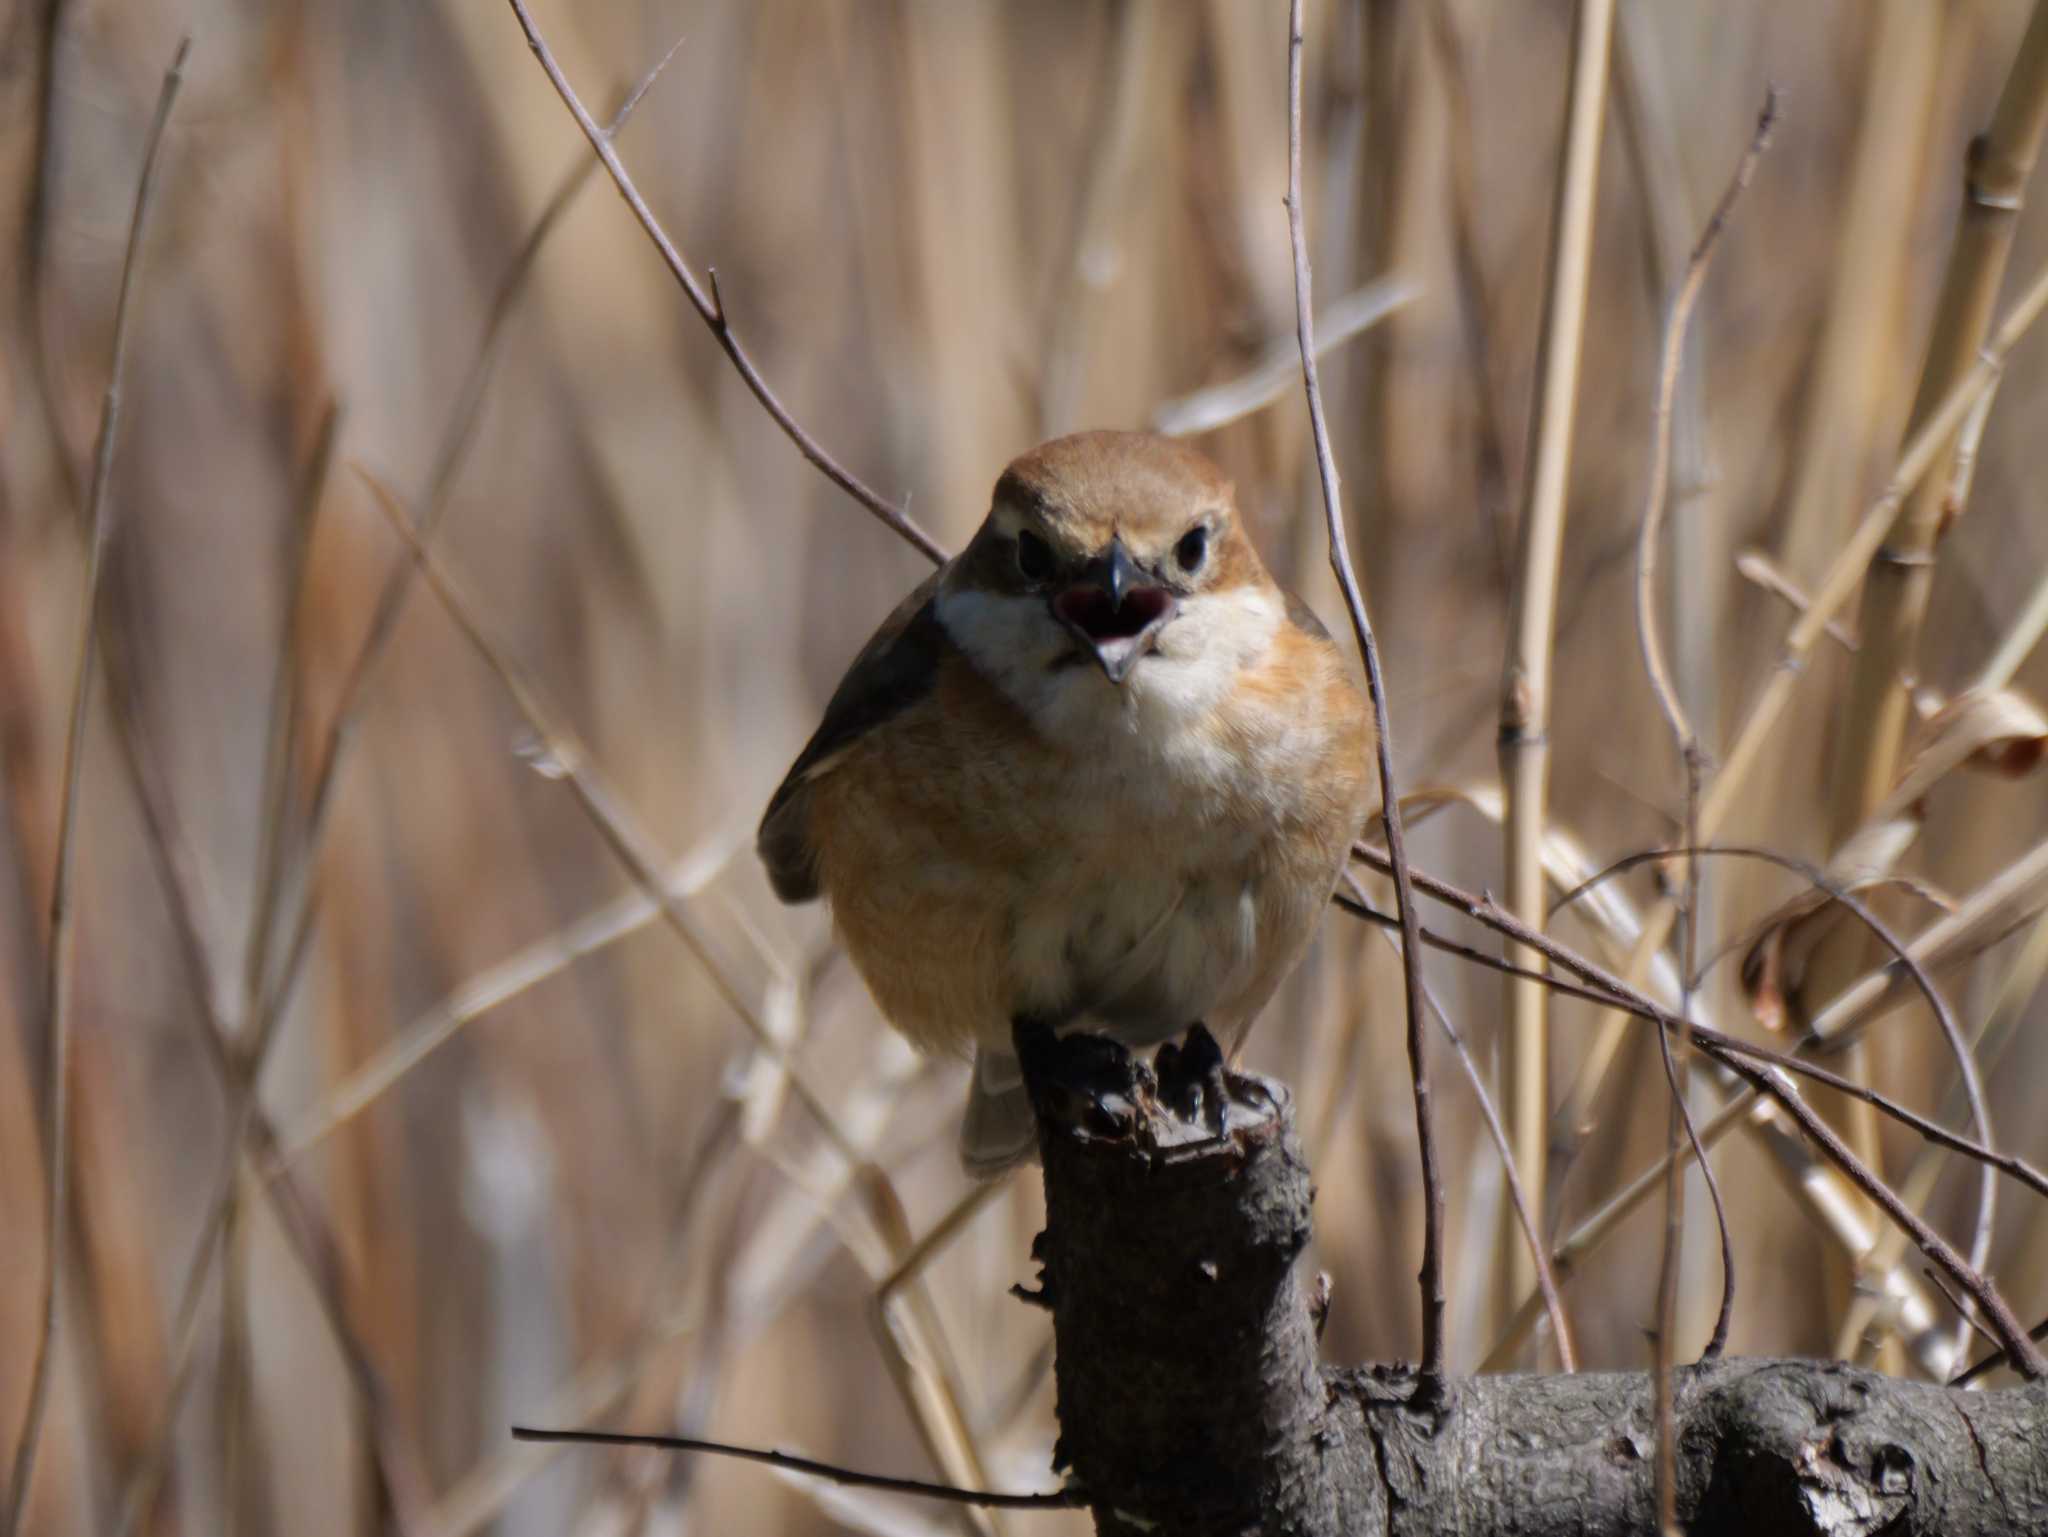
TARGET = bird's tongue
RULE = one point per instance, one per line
(1090, 610)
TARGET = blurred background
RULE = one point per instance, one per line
(517, 1151)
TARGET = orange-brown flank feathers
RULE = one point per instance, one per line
(1099, 770)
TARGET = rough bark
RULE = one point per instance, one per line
(1191, 1400)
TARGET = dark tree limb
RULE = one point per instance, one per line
(1191, 1399)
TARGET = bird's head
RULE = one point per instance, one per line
(1110, 561)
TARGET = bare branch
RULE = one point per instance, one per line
(1058, 1499)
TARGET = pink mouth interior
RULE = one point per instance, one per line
(1090, 611)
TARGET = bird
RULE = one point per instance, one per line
(1098, 772)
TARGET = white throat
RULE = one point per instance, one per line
(1018, 645)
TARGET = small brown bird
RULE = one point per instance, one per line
(1097, 772)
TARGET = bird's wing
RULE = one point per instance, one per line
(894, 670)
(1303, 618)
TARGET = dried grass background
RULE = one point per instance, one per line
(946, 230)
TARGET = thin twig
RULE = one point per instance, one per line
(1989, 1037)
(1729, 1052)
(1717, 1044)
(2019, 1349)
(1969, 1322)
(1678, 1130)
(1944, 1016)
(1963, 1379)
(1539, 1253)
(1430, 1376)
(1619, 994)
(1058, 1499)
(710, 307)
(1650, 531)
(57, 974)
(1677, 1061)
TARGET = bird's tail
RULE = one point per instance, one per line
(999, 1131)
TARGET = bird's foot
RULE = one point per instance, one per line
(1080, 1079)
(1194, 1079)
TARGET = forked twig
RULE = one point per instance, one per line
(57, 975)
(1430, 1375)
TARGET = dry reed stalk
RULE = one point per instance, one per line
(1695, 589)
(1279, 363)
(492, 988)
(1532, 613)
(1901, 573)
(1103, 205)
(57, 975)
(1900, 580)
(935, 1399)
(1854, 402)
(915, 1349)
(1834, 589)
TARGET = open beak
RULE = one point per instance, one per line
(1113, 612)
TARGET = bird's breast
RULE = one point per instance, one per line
(1157, 860)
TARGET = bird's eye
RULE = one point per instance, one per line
(1034, 556)
(1193, 548)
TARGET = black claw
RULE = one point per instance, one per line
(1194, 1081)
(1078, 1079)
(1205, 1064)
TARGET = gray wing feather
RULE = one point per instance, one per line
(894, 670)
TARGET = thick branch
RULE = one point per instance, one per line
(1190, 1399)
